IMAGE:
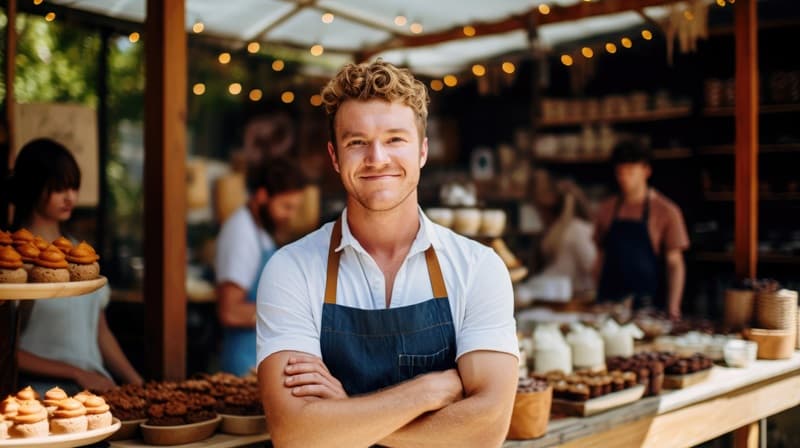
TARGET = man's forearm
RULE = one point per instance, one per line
(676, 274)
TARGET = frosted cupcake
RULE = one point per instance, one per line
(63, 244)
(29, 254)
(9, 408)
(51, 399)
(69, 417)
(40, 242)
(50, 267)
(27, 394)
(11, 270)
(22, 236)
(98, 412)
(83, 263)
(31, 420)
(5, 238)
(3, 427)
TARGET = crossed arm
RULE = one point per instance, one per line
(471, 406)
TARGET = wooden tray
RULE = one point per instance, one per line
(682, 381)
(178, 435)
(243, 425)
(128, 430)
(64, 440)
(600, 404)
(34, 291)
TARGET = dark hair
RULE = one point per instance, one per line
(276, 175)
(631, 151)
(41, 167)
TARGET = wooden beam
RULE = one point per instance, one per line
(557, 14)
(266, 30)
(165, 189)
(746, 436)
(746, 207)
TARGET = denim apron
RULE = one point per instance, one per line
(239, 344)
(371, 349)
(630, 265)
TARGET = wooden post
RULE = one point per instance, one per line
(747, 436)
(746, 208)
(165, 189)
(103, 143)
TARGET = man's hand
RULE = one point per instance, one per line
(92, 380)
(308, 377)
(446, 386)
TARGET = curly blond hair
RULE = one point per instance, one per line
(375, 80)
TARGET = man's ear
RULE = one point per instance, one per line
(423, 152)
(332, 154)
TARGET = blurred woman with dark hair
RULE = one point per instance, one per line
(66, 342)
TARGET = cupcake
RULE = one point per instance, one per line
(40, 242)
(82, 396)
(97, 412)
(11, 270)
(50, 267)
(31, 420)
(69, 417)
(5, 238)
(3, 427)
(83, 263)
(22, 236)
(9, 408)
(27, 394)
(52, 397)
(29, 254)
(63, 244)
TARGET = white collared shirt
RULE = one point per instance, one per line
(292, 288)
(240, 245)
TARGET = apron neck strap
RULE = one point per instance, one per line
(645, 209)
(332, 276)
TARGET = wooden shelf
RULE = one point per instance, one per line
(658, 154)
(727, 257)
(764, 109)
(653, 115)
(729, 197)
(672, 153)
(729, 150)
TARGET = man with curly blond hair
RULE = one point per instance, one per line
(383, 327)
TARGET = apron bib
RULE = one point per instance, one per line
(367, 350)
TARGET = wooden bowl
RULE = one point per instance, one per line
(129, 429)
(243, 425)
(177, 435)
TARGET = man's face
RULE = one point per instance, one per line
(379, 153)
(632, 176)
(277, 211)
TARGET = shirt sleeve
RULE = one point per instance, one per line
(675, 234)
(238, 255)
(489, 322)
(284, 312)
(602, 220)
(584, 248)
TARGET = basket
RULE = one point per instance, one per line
(772, 344)
(777, 310)
(738, 308)
(531, 414)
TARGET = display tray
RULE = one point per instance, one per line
(243, 425)
(177, 435)
(34, 291)
(682, 381)
(128, 430)
(63, 440)
(597, 405)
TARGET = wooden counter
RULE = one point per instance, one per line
(730, 400)
(216, 441)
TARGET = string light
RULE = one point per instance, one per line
(317, 50)
(647, 35)
(256, 94)
(199, 88)
(566, 59)
(38, 2)
(721, 3)
(469, 30)
(450, 81)
(278, 65)
(611, 48)
(626, 42)
(688, 15)
(478, 70)
(235, 88)
(50, 16)
(327, 18)
(198, 27)
(437, 85)
(287, 97)
(253, 47)
(416, 27)
(587, 52)
(400, 20)
(508, 67)
(316, 100)
(134, 37)
(544, 9)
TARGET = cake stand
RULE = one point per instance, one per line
(37, 291)
(63, 440)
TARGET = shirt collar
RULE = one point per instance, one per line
(426, 236)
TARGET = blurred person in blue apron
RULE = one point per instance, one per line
(245, 244)
(382, 327)
(641, 237)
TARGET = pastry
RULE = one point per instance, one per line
(11, 270)
(63, 244)
(82, 396)
(69, 417)
(3, 427)
(9, 408)
(578, 392)
(5, 238)
(27, 394)
(98, 413)
(52, 397)
(126, 407)
(22, 236)
(83, 263)
(50, 267)
(30, 421)
(167, 414)
(40, 242)
(29, 254)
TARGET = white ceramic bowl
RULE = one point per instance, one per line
(441, 216)
(493, 222)
(740, 353)
(467, 221)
